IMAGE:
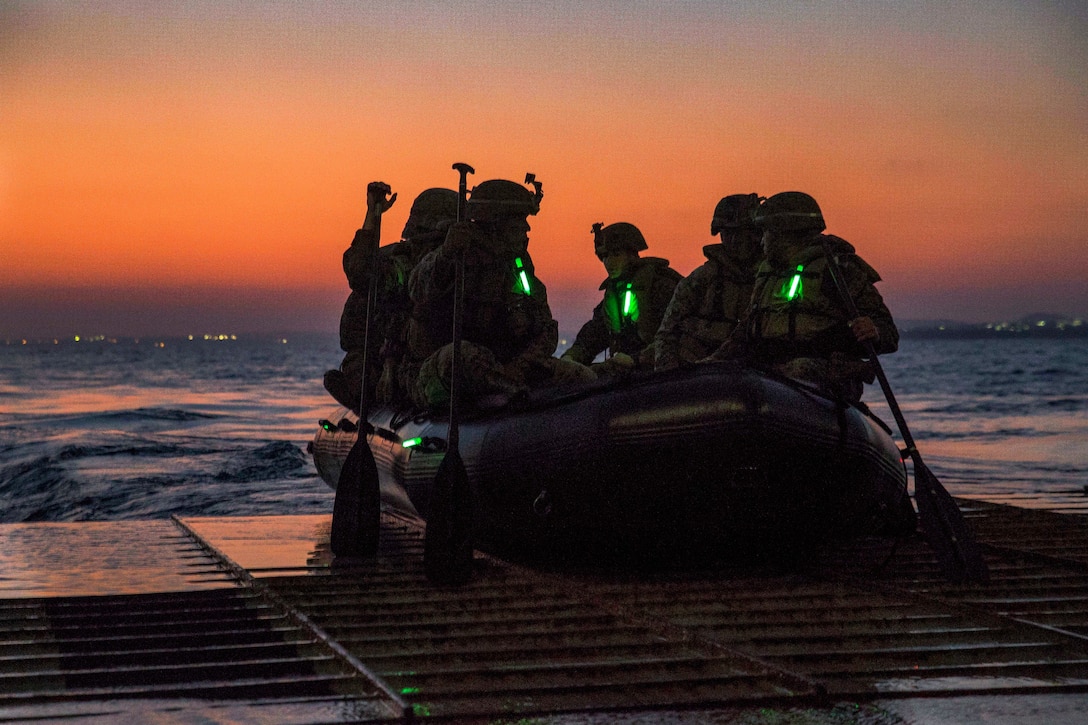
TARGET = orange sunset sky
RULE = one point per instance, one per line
(171, 168)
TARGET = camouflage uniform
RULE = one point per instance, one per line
(708, 303)
(812, 322)
(508, 333)
(797, 322)
(628, 326)
(704, 309)
(507, 330)
(390, 266)
(389, 368)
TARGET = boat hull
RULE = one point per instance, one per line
(699, 462)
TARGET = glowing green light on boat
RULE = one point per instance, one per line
(628, 296)
(522, 275)
(412, 442)
(409, 690)
(795, 284)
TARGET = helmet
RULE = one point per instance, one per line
(620, 236)
(734, 212)
(790, 210)
(500, 199)
(438, 203)
(429, 210)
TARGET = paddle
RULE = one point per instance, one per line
(943, 523)
(447, 541)
(356, 509)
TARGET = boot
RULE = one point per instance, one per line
(338, 388)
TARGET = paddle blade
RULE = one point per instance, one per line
(356, 510)
(946, 530)
(447, 545)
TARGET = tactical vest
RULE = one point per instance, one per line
(629, 305)
(795, 311)
(727, 295)
(503, 308)
(621, 311)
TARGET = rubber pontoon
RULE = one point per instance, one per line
(704, 461)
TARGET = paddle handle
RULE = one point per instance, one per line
(375, 208)
(453, 436)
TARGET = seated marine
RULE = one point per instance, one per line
(636, 293)
(389, 266)
(797, 323)
(508, 333)
(708, 303)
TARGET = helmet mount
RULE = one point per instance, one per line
(790, 211)
(618, 237)
(497, 200)
(734, 212)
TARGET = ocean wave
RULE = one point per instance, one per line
(152, 418)
(982, 435)
(142, 415)
(35, 490)
(135, 448)
(104, 480)
(1057, 372)
(164, 414)
(267, 462)
(991, 407)
(1068, 405)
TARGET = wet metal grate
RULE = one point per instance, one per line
(221, 645)
(515, 641)
(512, 642)
(372, 639)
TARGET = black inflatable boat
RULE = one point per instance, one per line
(703, 461)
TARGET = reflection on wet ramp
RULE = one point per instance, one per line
(288, 634)
(102, 557)
(521, 641)
(135, 621)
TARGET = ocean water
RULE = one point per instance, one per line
(111, 430)
(1003, 420)
(101, 430)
